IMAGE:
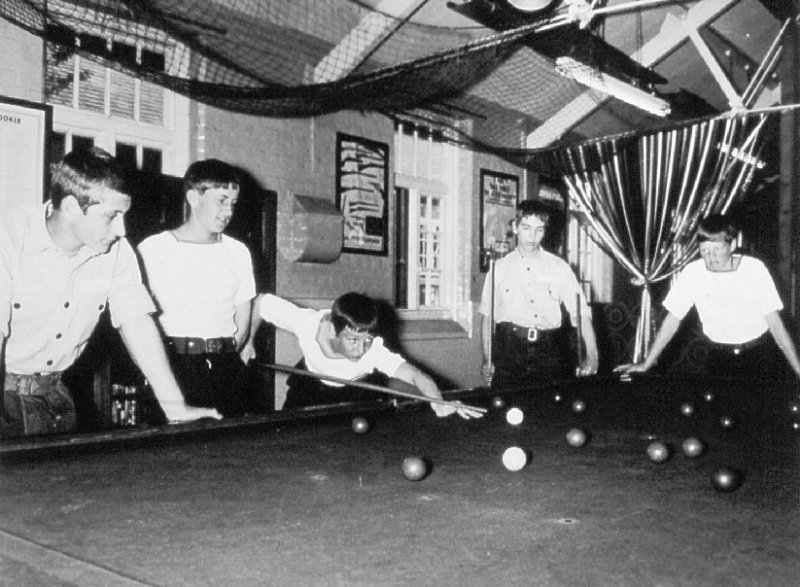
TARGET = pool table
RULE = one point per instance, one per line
(308, 501)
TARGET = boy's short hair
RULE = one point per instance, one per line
(716, 226)
(82, 170)
(208, 174)
(533, 208)
(355, 311)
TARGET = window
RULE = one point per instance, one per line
(432, 229)
(141, 123)
(592, 265)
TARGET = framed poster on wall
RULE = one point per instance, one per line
(24, 130)
(362, 182)
(498, 204)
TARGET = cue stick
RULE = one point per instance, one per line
(578, 332)
(491, 316)
(369, 386)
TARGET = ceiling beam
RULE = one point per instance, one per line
(673, 32)
(352, 49)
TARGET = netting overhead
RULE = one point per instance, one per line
(307, 57)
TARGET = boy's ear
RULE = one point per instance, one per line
(514, 227)
(70, 206)
(192, 197)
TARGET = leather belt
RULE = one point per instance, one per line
(188, 345)
(529, 334)
(29, 384)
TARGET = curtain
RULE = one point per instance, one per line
(643, 196)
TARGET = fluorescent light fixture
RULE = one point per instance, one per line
(597, 80)
(529, 5)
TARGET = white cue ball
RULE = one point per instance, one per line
(514, 458)
(514, 416)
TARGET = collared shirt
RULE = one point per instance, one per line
(198, 286)
(732, 305)
(529, 291)
(304, 324)
(50, 301)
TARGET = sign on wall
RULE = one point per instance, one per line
(24, 128)
(498, 200)
(362, 180)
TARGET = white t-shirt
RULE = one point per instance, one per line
(732, 305)
(197, 286)
(304, 324)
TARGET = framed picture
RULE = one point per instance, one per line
(362, 181)
(498, 202)
(24, 165)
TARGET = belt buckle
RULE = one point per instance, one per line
(533, 334)
(212, 346)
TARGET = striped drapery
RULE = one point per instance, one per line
(644, 195)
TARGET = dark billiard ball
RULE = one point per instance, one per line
(726, 422)
(658, 452)
(498, 402)
(579, 406)
(687, 409)
(360, 425)
(708, 396)
(414, 468)
(576, 437)
(726, 480)
(692, 447)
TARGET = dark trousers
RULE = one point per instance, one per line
(305, 391)
(519, 362)
(213, 380)
(756, 359)
(36, 404)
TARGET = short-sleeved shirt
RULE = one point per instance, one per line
(529, 292)
(732, 305)
(50, 301)
(197, 287)
(304, 324)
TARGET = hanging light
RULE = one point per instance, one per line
(597, 80)
(530, 5)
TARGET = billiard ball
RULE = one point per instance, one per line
(692, 447)
(360, 425)
(514, 458)
(794, 407)
(726, 480)
(578, 406)
(414, 468)
(557, 398)
(657, 452)
(708, 396)
(498, 402)
(514, 416)
(687, 409)
(726, 422)
(796, 426)
(576, 437)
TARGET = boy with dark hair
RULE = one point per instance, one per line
(61, 264)
(737, 302)
(341, 342)
(526, 294)
(202, 281)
